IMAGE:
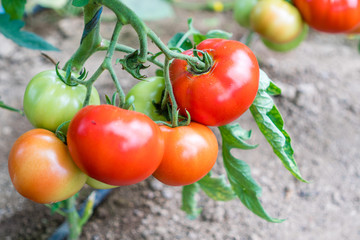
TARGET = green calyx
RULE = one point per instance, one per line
(202, 63)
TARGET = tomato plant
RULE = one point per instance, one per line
(147, 94)
(49, 102)
(224, 92)
(276, 20)
(190, 153)
(115, 146)
(338, 16)
(41, 168)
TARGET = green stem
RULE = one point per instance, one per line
(90, 43)
(3, 105)
(169, 90)
(73, 218)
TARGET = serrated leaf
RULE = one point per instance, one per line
(178, 37)
(80, 3)
(271, 124)
(189, 202)
(11, 29)
(217, 188)
(15, 8)
(237, 136)
(150, 10)
(239, 175)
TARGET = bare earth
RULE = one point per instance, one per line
(320, 105)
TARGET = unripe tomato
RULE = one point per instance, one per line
(276, 20)
(146, 93)
(223, 93)
(190, 153)
(48, 102)
(331, 16)
(284, 47)
(115, 146)
(41, 168)
(242, 10)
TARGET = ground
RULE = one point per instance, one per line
(319, 103)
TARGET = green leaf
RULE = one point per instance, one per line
(11, 29)
(237, 136)
(271, 124)
(150, 10)
(198, 38)
(217, 188)
(15, 8)
(238, 172)
(186, 43)
(189, 203)
(80, 3)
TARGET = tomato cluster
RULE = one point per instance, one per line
(107, 146)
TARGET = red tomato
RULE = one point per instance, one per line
(332, 16)
(222, 94)
(41, 168)
(190, 153)
(115, 146)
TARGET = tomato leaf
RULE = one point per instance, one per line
(189, 202)
(11, 29)
(211, 34)
(238, 172)
(271, 124)
(185, 45)
(217, 188)
(15, 8)
(80, 3)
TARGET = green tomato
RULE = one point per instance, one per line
(276, 20)
(49, 102)
(97, 184)
(242, 10)
(284, 47)
(145, 94)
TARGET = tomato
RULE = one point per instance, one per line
(284, 47)
(146, 93)
(41, 168)
(276, 20)
(331, 16)
(48, 102)
(222, 94)
(97, 184)
(242, 10)
(190, 153)
(115, 146)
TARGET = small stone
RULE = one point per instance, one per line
(156, 185)
(167, 193)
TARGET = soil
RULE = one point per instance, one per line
(320, 83)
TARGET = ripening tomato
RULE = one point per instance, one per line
(48, 101)
(147, 93)
(223, 93)
(190, 153)
(284, 47)
(113, 145)
(41, 168)
(276, 20)
(331, 16)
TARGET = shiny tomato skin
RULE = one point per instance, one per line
(276, 20)
(222, 94)
(48, 102)
(331, 16)
(115, 146)
(190, 153)
(41, 168)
